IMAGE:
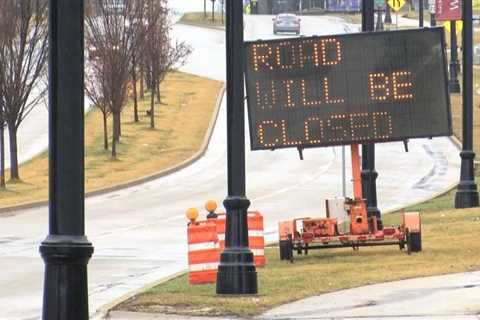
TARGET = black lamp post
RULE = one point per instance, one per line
(379, 25)
(420, 13)
(369, 175)
(433, 21)
(467, 194)
(453, 83)
(388, 14)
(236, 271)
(66, 251)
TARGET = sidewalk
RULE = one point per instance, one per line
(452, 297)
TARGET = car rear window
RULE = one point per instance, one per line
(292, 18)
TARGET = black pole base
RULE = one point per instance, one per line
(454, 86)
(467, 195)
(236, 271)
(65, 288)
(388, 19)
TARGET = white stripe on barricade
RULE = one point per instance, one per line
(203, 266)
(255, 233)
(258, 252)
(203, 246)
(251, 233)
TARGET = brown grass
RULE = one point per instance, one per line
(449, 245)
(182, 119)
(198, 18)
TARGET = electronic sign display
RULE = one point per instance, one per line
(343, 89)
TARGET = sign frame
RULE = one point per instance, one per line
(447, 132)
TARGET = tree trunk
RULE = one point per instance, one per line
(204, 9)
(159, 98)
(2, 157)
(135, 98)
(142, 77)
(105, 133)
(116, 126)
(119, 123)
(213, 11)
(12, 133)
(114, 139)
(152, 107)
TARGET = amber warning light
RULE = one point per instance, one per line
(344, 89)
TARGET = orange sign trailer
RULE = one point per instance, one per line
(304, 234)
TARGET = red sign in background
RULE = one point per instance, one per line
(447, 10)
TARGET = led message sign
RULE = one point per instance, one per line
(343, 89)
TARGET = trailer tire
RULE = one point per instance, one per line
(286, 249)
(284, 244)
(416, 242)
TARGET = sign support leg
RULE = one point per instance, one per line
(356, 176)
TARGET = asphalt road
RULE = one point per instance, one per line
(139, 233)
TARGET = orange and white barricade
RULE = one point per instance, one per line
(256, 241)
(203, 252)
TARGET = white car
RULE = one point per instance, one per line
(286, 22)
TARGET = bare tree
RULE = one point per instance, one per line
(213, 11)
(3, 32)
(23, 56)
(95, 89)
(114, 33)
(133, 74)
(142, 79)
(2, 146)
(162, 55)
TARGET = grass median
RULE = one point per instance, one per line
(449, 245)
(199, 18)
(182, 119)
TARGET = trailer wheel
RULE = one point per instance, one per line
(416, 242)
(284, 250)
(290, 248)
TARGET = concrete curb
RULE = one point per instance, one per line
(11, 210)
